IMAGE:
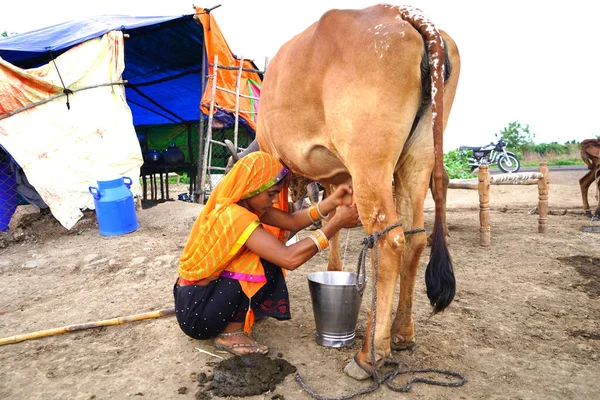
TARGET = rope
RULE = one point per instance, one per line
(51, 98)
(369, 243)
(66, 91)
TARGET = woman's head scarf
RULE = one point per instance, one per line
(222, 222)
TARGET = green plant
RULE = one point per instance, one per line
(457, 165)
(183, 179)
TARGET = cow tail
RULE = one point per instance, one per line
(439, 275)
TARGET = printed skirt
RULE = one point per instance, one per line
(203, 311)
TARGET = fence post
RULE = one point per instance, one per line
(543, 184)
(484, 206)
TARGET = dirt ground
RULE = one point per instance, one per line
(524, 324)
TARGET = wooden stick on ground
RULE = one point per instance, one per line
(79, 327)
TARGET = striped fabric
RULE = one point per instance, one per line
(216, 242)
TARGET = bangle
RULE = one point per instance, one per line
(313, 214)
(316, 242)
(320, 239)
(320, 213)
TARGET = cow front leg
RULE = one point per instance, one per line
(390, 246)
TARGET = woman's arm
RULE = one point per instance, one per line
(266, 246)
(299, 220)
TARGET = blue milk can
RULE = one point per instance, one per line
(115, 210)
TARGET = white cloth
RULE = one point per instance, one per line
(63, 152)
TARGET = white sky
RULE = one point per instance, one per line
(522, 60)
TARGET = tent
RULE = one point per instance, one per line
(73, 95)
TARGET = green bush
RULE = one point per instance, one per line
(184, 179)
(457, 165)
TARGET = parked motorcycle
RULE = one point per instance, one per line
(490, 154)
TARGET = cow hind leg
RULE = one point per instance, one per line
(596, 216)
(584, 185)
(410, 191)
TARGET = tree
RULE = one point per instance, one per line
(4, 34)
(517, 136)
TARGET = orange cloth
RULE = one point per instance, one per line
(216, 242)
(249, 84)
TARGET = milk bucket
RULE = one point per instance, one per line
(336, 303)
(115, 210)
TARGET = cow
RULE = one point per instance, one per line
(359, 97)
(590, 153)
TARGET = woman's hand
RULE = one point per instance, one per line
(342, 195)
(346, 216)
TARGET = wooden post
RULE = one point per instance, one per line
(199, 193)
(237, 104)
(207, 146)
(543, 184)
(484, 206)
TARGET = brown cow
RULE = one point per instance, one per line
(344, 101)
(590, 153)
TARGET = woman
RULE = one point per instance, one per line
(232, 267)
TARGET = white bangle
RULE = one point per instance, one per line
(320, 213)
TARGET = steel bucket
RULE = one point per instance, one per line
(336, 303)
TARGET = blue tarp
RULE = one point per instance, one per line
(163, 60)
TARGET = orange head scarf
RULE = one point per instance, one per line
(223, 226)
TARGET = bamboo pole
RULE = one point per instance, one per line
(89, 325)
(209, 130)
(543, 184)
(222, 89)
(523, 178)
(203, 81)
(527, 178)
(463, 184)
(237, 104)
(484, 206)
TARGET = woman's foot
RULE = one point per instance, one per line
(238, 343)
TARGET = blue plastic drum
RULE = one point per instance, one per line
(115, 210)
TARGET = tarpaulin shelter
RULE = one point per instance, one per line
(72, 96)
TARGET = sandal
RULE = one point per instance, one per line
(256, 348)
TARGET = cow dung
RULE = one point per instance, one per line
(249, 375)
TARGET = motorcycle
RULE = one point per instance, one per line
(490, 154)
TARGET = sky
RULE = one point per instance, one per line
(522, 60)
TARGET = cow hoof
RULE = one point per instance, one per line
(353, 370)
(401, 343)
